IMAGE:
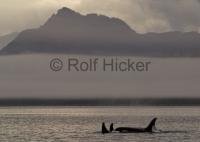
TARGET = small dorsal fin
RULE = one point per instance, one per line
(104, 129)
(111, 127)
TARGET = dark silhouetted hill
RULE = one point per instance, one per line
(6, 39)
(69, 32)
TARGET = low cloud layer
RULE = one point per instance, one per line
(142, 15)
(29, 76)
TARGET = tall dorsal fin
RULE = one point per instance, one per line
(151, 125)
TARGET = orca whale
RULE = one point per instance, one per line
(149, 129)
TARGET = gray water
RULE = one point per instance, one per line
(83, 124)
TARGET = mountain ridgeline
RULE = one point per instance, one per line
(6, 39)
(69, 32)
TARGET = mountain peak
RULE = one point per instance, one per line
(61, 18)
(70, 32)
(65, 11)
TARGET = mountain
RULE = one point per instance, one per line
(70, 32)
(6, 39)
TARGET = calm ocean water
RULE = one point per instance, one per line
(83, 124)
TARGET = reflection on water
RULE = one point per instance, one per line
(72, 124)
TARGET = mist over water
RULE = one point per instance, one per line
(30, 76)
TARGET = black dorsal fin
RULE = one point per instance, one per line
(111, 127)
(151, 125)
(104, 129)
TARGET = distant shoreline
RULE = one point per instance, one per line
(102, 102)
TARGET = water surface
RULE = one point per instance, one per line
(74, 124)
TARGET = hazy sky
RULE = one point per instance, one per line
(141, 15)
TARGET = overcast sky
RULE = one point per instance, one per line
(142, 15)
